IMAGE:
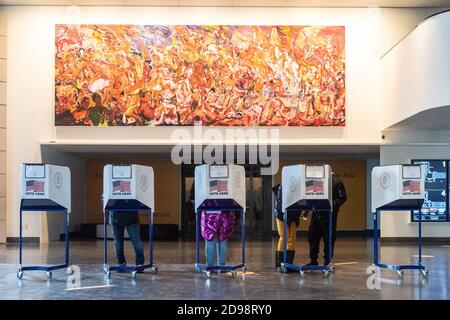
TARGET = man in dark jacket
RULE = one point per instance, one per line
(121, 220)
(318, 227)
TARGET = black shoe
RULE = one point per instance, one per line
(279, 256)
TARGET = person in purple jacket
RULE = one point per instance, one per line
(217, 228)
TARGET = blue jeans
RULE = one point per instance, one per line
(213, 248)
(134, 233)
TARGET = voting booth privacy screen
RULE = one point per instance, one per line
(46, 186)
(126, 186)
(306, 186)
(220, 186)
(398, 186)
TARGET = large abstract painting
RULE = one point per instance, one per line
(122, 75)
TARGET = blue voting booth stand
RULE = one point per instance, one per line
(307, 188)
(128, 188)
(397, 188)
(219, 188)
(44, 188)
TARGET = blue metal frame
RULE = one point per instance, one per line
(66, 240)
(204, 267)
(107, 268)
(418, 266)
(302, 268)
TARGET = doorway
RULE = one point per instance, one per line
(258, 201)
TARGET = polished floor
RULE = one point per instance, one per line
(176, 278)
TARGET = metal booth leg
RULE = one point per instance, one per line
(420, 238)
(66, 231)
(375, 237)
(197, 247)
(150, 235)
(243, 238)
(20, 241)
(330, 236)
(284, 269)
(105, 244)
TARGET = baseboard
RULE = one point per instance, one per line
(11, 240)
(440, 240)
(340, 233)
(88, 231)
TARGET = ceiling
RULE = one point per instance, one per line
(91, 151)
(237, 3)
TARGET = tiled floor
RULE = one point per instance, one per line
(176, 279)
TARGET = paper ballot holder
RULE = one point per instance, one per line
(128, 187)
(45, 188)
(219, 188)
(307, 187)
(398, 188)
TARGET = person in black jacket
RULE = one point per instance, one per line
(318, 227)
(292, 226)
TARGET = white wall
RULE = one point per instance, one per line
(31, 79)
(398, 224)
(3, 125)
(416, 73)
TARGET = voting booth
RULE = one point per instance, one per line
(128, 187)
(398, 188)
(307, 188)
(45, 188)
(219, 188)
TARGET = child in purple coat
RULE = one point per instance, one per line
(217, 228)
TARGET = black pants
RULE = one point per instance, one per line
(318, 229)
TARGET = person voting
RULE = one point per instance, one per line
(219, 193)
(128, 189)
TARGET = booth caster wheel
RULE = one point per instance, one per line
(372, 268)
(302, 273)
(326, 273)
(19, 275)
(155, 270)
(244, 269)
(133, 274)
(70, 271)
(108, 274)
(400, 274)
(233, 274)
(332, 267)
(49, 275)
(207, 274)
(424, 273)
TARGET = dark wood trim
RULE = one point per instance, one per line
(24, 240)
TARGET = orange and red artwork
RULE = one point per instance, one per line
(218, 75)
